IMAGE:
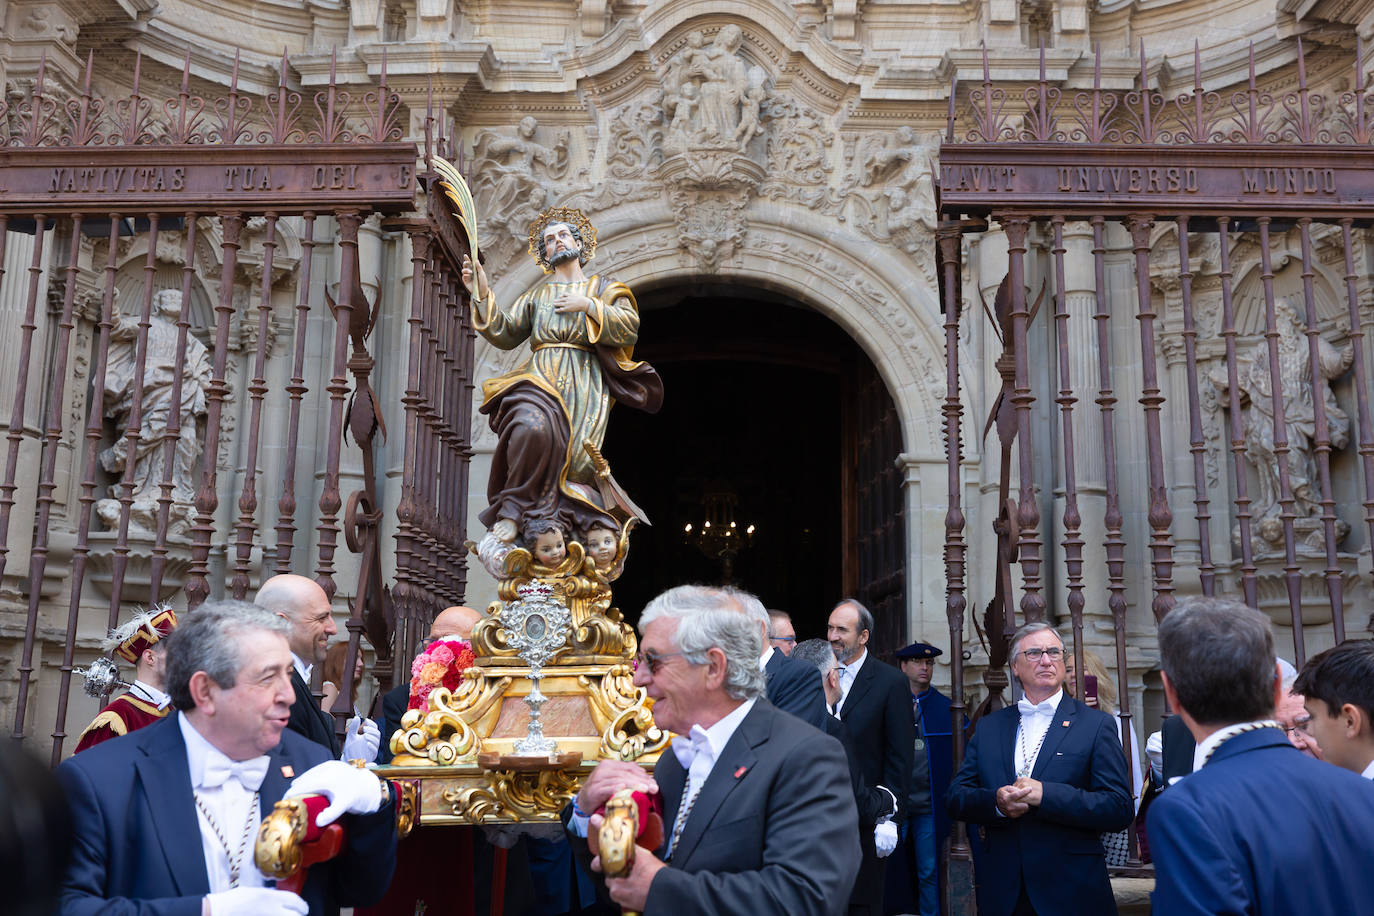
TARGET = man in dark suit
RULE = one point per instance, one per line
(1259, 827)
(758, 813)
(875, 705)
(455, 621)
(158, 816)
(1043, 779)
(304, 605)
(792, 685)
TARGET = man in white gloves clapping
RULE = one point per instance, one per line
(165, 819)
(304, 605)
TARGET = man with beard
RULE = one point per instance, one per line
(875, 705)
(550, 414)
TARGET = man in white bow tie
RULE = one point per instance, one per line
(1043, 779)
(165, 819)
(758, 809)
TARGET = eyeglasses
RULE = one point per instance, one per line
(1299, 726)
(782, 638)
(655, 660)
(1034, 655)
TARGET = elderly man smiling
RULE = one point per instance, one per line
(758, 810)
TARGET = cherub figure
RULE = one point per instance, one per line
(749, 115)
(601, 543)
(544, 540)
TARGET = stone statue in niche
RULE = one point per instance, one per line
(901, 168)
(549, 414)
(1298, 397)
(155, 404)
(710, 101)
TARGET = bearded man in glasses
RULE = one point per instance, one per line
(1043, 779)
(758, 809)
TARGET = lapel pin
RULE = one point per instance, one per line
(287, 772)
(1066, 723)
(741, 771)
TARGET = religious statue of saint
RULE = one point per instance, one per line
(1298, 396)
(549, 415)
(156, 403)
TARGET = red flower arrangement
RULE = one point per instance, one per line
(441, 665)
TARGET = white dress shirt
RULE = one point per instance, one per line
(1030, 734)
(765, 657)
(1369, 771)
(847, 674)
(150, 693)
(698, 752)
(302, 668)
(231, 804)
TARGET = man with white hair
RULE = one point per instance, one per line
(1041, 826)
(758, 810)
(793, 685)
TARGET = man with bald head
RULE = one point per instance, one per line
(452, 622)
(304, 605)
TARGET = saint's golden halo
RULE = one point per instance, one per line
(573, 217)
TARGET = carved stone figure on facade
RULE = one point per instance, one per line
(902, 168)
(155, 406)
(709, 99)
(550, 414)
(508, 170)
(1298, 399)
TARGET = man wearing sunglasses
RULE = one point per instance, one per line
(1042, 780)
(758, 810)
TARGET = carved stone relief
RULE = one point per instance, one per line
(155, 407)
(1298, 398)
(514, 177)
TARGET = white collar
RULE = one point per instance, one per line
(199, 751)
(766, 657)
(1207, 746)
(151, 694)
(712, 740)
(1055, 699)
(1369, 771)
(302, 668)
(854, 666)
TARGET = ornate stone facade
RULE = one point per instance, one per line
(780, 144)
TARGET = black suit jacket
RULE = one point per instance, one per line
(877, 713)
(773, 829)
(395, 702)
(795, 686)
(1178, 749)
(1056, 847)
(308, 720)
(137, 846)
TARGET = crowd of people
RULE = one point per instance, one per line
(805, 775)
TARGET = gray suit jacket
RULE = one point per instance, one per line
(774, 829)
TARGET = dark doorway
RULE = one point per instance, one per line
(767, 410)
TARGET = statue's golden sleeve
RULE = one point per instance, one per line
(613, 319)
(505, 328)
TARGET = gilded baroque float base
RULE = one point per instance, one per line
(461, 749)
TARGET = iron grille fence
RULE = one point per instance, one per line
(1231, 225)
(137, 399)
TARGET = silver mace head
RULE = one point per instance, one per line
(101, 678)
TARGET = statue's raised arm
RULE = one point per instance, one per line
(549, 415)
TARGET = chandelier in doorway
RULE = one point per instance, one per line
(719, 535)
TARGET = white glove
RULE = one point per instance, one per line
(885, 838)
(364, 746)
(350, 790)
(256, 901)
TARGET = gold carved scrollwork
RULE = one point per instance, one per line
(632, 735)
(621, 711)
(515, 796)
(277, 852)
(407, 807)
(439, 736)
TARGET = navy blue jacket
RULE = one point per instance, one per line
(1263, 830)
(1056, 847)
(137, 846)
(938, 725)
(795, 686)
